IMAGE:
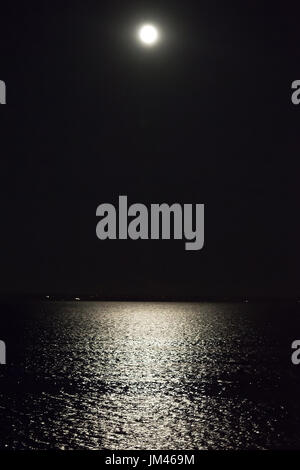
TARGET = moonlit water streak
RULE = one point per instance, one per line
(91, 375)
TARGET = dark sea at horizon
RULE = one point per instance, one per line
(149, 375)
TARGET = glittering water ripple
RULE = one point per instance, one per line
(149, 376)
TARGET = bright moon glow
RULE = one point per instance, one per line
(148, 34)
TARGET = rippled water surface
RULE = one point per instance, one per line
(91, 375)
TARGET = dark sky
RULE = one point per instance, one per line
(206, 117)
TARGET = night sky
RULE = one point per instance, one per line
(204, 117)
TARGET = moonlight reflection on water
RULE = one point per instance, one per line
(115, 375)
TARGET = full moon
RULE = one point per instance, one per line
(148, 34)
